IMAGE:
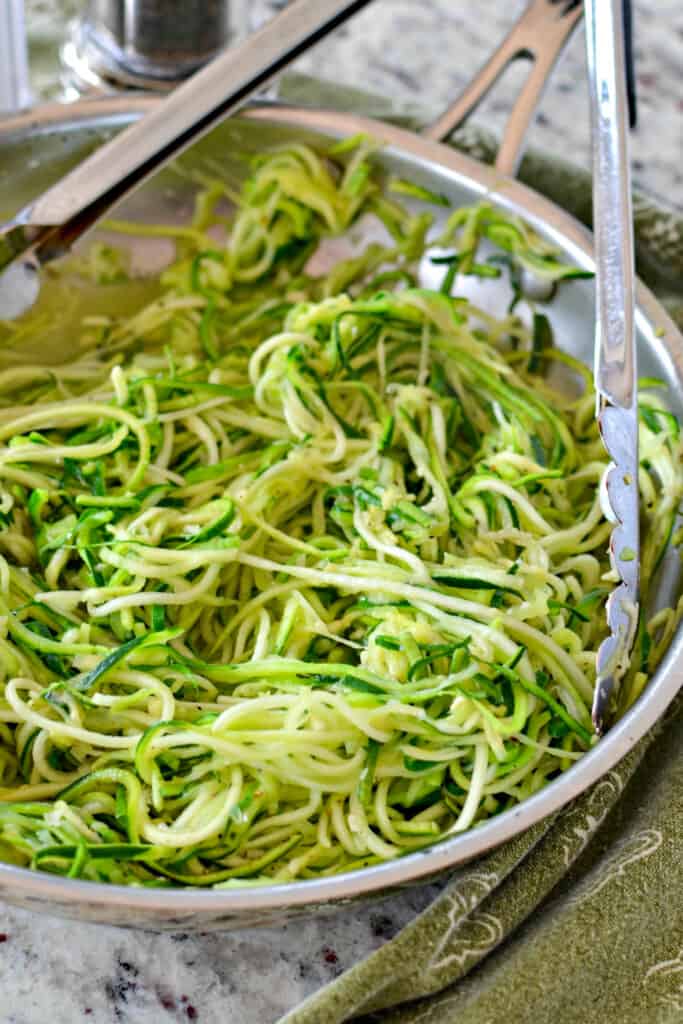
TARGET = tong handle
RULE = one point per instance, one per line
(539, 35)
(615, 340)
(615, 374)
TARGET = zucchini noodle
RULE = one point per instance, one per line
(299, 573)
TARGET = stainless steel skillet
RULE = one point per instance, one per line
(65, 134)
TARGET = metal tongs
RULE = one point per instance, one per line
(615, 349)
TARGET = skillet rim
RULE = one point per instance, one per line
(173, 906)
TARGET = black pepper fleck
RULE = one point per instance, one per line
(329, 955)
(191, 1012)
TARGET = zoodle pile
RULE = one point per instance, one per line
(300, 572)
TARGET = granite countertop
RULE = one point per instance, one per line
(64, 972)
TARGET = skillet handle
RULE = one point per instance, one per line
(539, 35)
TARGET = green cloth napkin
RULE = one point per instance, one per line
(580, 919)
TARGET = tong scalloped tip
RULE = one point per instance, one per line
(615, 350)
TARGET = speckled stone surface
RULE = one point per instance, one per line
(55, 972)
(64, 972)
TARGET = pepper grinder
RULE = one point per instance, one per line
(14, 83)
(143, 44)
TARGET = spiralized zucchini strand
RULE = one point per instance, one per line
(302, 573)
